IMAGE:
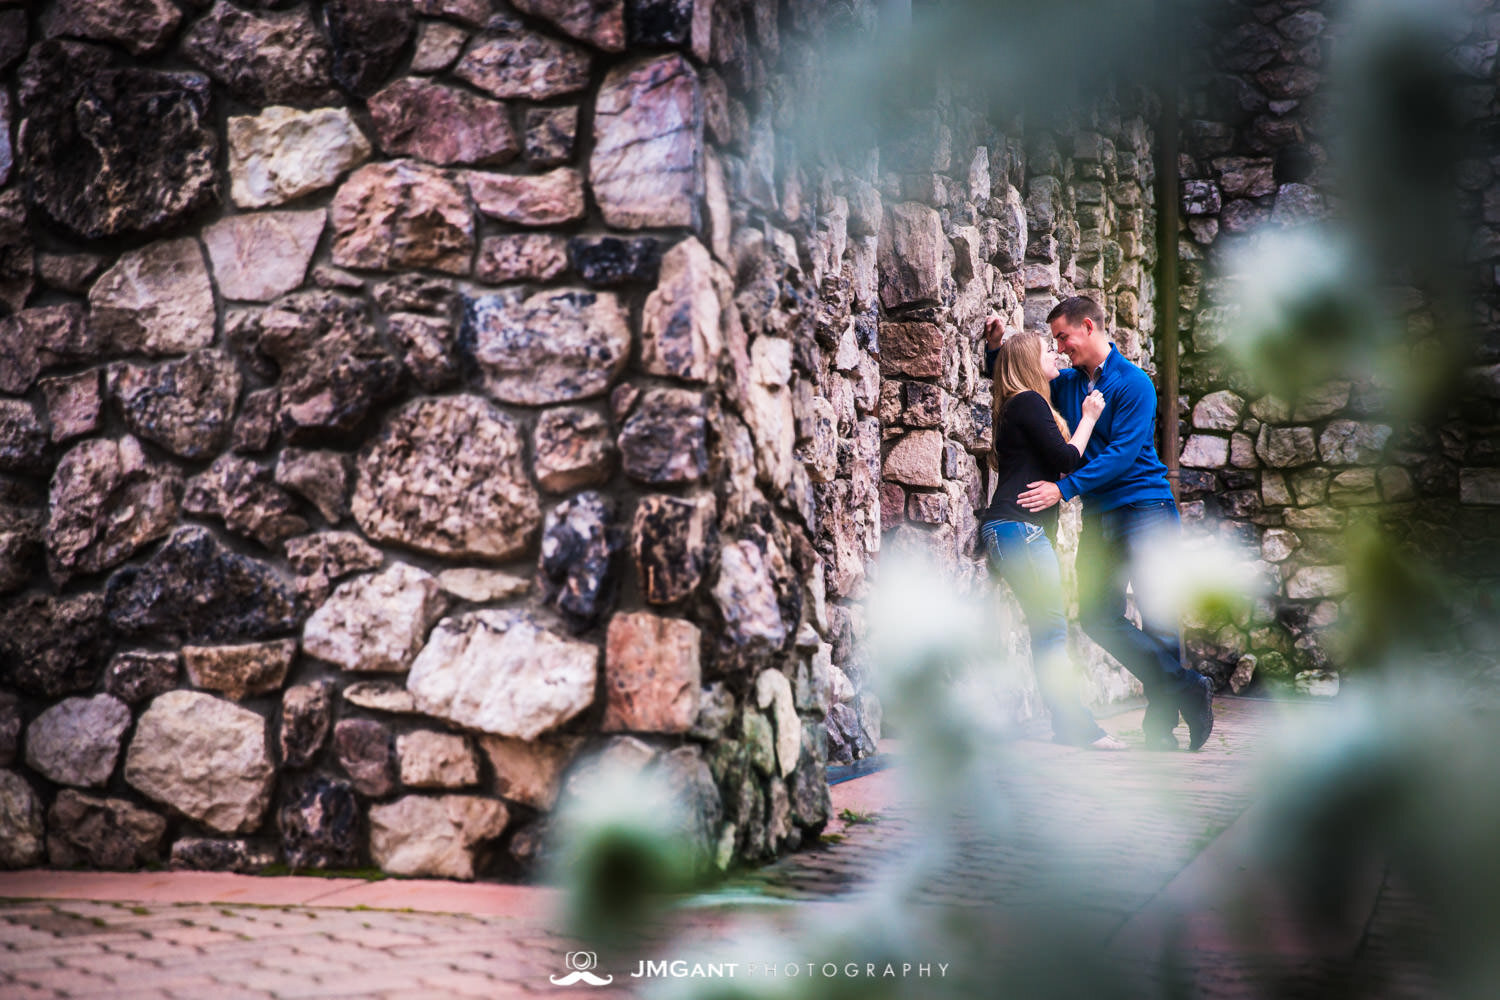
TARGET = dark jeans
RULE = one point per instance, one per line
(1110, 547)
(1021, 554)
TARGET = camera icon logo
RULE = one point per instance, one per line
(582, 964)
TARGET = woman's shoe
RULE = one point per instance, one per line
(1108, 742)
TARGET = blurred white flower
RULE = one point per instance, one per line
(1201, 579)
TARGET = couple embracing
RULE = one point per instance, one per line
(1110, 461)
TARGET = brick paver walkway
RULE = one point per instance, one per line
(1124, 854)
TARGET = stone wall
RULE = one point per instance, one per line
(1287, 480)
(399, 400)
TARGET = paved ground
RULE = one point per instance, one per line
(1066, 867)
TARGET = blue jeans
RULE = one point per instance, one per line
(1110, 546)
(1021, 554)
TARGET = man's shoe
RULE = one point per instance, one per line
(1108, 742)
(1198, 711)
(1166, 742)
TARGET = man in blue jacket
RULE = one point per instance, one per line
(1127, 505)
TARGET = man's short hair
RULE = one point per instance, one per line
(1076, 309)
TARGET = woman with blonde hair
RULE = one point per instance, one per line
(1031, 444)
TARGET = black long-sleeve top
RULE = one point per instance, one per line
(1029, 448)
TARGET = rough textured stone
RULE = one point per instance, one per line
(651, 674)
(549, 135)
(306, 715)
(601, 23)
(376, 622)
(680, 333)
(282, 153)
(269, 58)
(53, 646)
(72, 404)
(18, 263)
(155, 300)
(665, 439)
(499, 672)
(529, 199)
(185, 405)
(913, 349)
(528, 771)
(747, 598)
(700, 811)
(77, 741)
(911, 256)
(670, 537)
(196, 588)
(255, 427)
(525, 64)
(1284, 447)
(320, 476)
(446, 476)
(367, 755)
(212, 854)
(438, 46)
(136, 677)
(482, 585)
(434, 837)
(1311, 582)
(367, 37)
(1205, 451)
(334, 367)
(610, 260)
(109, 152)
(142, 26)
(381, 696)
(416, 293)
(33, 340)
(23, 437)
(427, 348)
(205, 758)
(442, 125)
(399, 215)
(521, 257)
(773, 692)
(554, 347)
(262, 255)
(436, 760)
(573, 447)
(1218, 411)
(320, 559)
(102, 833)
(579, 543)
(1349, 442)
(916, 459)
(22, 830)
(22, 521)
(320, 825)
(647, 167)
(241, 492)
(240, 671)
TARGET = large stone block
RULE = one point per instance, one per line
(665, 439)
(366, 753)
(647, 166)
(680, 333)
(529, 199)
(22, 830)
(137, 676)
(194, 587)
(110, 152)
(320, 825)
(107, 502)
(911, 255)
(652, 675)
(242, 671)
(579, 542)
(142, 26)
(912, 349)
(402, 215)
(33, 340)
(269, 58)
(746, 597)
(435, 837)
(306, 715)
(51, 646)
(204, 757)
(184, 405)
(262, 255)
(77, 741)
(670, 538)
(368, 38)
(282, 153)
(500, 672)
(376, 622)
(916, 459)
(528, 771)
(525, 64)
(601, 23)
(102, 833)
(442, 125)
(572, 447)
(446, 476)
(1286, 447)
(241, 492)
(155, 300)
(556, 346)
(430, 759)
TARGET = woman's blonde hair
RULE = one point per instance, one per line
(1018, 369)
